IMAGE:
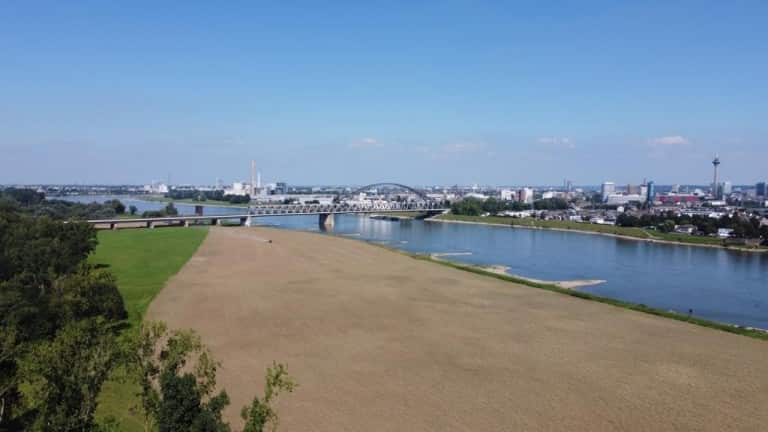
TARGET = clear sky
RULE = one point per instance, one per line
(449, 92)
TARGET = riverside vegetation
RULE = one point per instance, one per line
(67, 328)
(646, 227)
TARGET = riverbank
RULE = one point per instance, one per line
(635, 234)
(381, 341)
(397, 216)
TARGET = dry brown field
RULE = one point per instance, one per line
(379, 341)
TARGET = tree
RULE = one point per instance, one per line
(667, 226)
(174, 399)
(116, 205)
(132, 209)
(56, 314)
(262, 412)
(170, 209)
(68, 374)
(467, 206)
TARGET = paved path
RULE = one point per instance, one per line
(381, 342)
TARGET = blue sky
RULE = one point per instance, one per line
(357, 92)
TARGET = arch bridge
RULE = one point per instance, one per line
(419, 193)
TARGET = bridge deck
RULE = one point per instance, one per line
(182, 218)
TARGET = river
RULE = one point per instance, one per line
(717, 284)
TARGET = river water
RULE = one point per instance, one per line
(717, 284)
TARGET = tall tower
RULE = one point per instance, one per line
(715, 186)
(253, 179)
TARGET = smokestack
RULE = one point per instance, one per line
(253, 178)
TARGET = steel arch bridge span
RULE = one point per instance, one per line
(402, 186)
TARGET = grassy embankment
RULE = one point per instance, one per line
(142, 260)
(638, 233)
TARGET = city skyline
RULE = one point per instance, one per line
(423, 94)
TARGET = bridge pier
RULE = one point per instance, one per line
(151, 225)
(186, 223)
(244, 221)
(326, 221)
(113, 226)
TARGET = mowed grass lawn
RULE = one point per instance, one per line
(142, 261)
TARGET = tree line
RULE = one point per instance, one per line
(742, 226)
(474, 206)
(202, 196)
(64, 333)
(35, 203)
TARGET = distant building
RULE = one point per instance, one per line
(507, 195)
(633, 189)
(156, 188)
(606, 189)
(281, 188)
(761, 189)
(526, 195)
(726, 187)
(678, 199)
(651, 194)
(685, 229)
(238, 188)
(724, 232)
(619, 199)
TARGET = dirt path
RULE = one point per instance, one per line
(381, 342)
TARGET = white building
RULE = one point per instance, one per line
(620, 199)
(727, 188)
(238, 188)
(507, 195)
(156, 188)
(526, 195)
(724, 232)
(607, 189)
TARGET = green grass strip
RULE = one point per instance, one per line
(142, 261)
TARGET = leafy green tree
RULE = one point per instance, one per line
(49, 297)
(116, 205)
(177, 379)
(132, 209)
(68, 374)
(467, 206)
(667, 226)
(262, 412)
(170, 209)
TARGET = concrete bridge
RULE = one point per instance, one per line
(325, 213)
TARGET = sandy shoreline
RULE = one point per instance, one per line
(504, 270)
(379, 341)
(625, 237)
(569, 284)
